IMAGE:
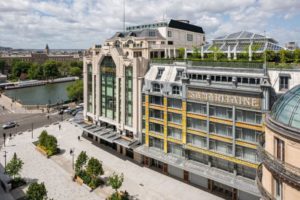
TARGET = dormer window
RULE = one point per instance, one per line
(156, 87)
(152, 34)
(160, 73)
(176, 90)
(178, 75)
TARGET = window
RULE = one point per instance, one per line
(221, 147)
(156, 87)
(156, 100)
(174, 133)
(178, 75)
(175, 149)
(174, 118)
(196, 140)
(176, 90)
(247, 135)
(279, 149)
(248, 117)
(159, 73)
(220, 129)
(246, 153)
(152, 34)
(197, 124)
(284, 83)
(169, 33)
(157, 128)
(278, 189)
(156, 143)
(196, 108)
(221, 112)
(158, 114)
(170, 42)
(189, 37)
(175, 103)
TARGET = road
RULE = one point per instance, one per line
(26, 121)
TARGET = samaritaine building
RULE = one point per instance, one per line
(279, 176)
(202, 124)
(113, 79)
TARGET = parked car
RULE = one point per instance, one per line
(77, 110)
(9, 125)
(68, 110)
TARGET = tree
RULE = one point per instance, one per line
(195, 53)
(297, 56)
(14, 166)
(76, 64)
(51, 69)
(75, 91)
(2, 65)
(81, 161)
(19, 67)
(43, 138)
(94, 168)
(36, 191)
(75, 71)
(116, 181)
(271, 55)
(283, 56)
(181, 52)
(51, 145)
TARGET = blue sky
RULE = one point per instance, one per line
(82, 23)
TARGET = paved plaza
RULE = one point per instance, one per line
(56, 172)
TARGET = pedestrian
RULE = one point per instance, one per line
(78, 138)
(59, 126)
(48, 116)
(10, 135)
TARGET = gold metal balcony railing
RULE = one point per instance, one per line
(281, 170)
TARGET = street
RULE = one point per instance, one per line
(26, 121)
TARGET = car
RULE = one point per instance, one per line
(61, 112)
(9, 125)
(68, 110)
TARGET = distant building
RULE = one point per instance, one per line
(291, 46)
(38, 57)
(279, 175)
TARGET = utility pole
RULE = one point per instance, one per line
(72, 154)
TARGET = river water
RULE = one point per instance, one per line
(40, 95)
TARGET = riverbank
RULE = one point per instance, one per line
(33, 83)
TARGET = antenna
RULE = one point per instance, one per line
(124, 16)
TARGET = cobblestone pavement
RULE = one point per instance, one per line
(142, 183)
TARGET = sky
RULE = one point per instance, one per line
(69, 24)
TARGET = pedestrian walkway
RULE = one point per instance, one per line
(141, 182)
(13, 107)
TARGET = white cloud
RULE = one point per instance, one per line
(81, 23)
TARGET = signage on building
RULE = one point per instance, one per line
(227, 99)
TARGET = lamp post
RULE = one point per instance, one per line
(4, 137)
(72, 154)
(31, 130)
(5, 161)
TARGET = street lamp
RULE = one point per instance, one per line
(72, 154)
(5, 161)
(31, 130)
(4, 137)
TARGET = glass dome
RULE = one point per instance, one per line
(286, 109)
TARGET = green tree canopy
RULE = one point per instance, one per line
(75, 71)
(181, 52)
(14, 166)
(36, 191)
(116, 181)
(51, 69)
(2, 65)
(43, 138)
(94, 167)
(297, 55)
(19, 67)
(75, 91)
(81, 161)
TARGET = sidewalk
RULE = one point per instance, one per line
(14, 107)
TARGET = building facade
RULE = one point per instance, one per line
(202, 125)
(113, 79)
(279, 175)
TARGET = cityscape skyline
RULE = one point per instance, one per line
(75, 24)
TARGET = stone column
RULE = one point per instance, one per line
(228, 53)
(202, 52)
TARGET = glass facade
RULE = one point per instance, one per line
(90, 88)
(108, 88)
(128, 96)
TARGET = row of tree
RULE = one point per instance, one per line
(282, 56)
(50, 69)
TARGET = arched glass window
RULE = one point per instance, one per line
(156, 87)
(176, 90)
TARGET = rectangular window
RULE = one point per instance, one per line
(283, 83)
(221, 147)
(152, 33)
(220, 129)
(156, 143)
(196, 140)
(169, 33)
(199, 157)
(278, 189)
(174, 118)
(245, 153)
(189, 37)
(248, 117)
(279, 149)
(159, 73)
(174, 103)
(196, 108)
(128, 96)
(157, 114)
(197, 124)
(175, 149)
(247, 135)
(156, 100)
(175, 133)
(170, 42)
(220, 112)
(156, 128)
